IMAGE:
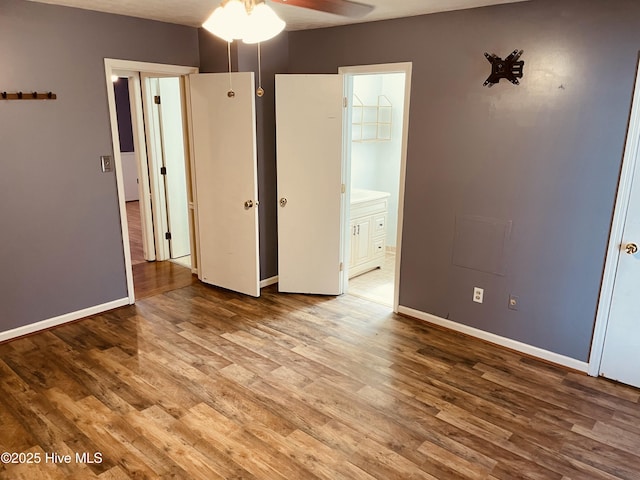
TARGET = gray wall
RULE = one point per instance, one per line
(545, 155)
(61, 243)
(275, 58)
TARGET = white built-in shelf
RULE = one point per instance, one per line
(371, 123)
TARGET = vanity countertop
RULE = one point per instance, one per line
(361, 196)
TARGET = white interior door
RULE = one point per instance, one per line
(225, 171)
(309, 132)
(621, 354)
(155, 163)
(140, 165)
(173, 148)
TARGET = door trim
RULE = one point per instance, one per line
(406, 68)
(629, 161)
(111, 65)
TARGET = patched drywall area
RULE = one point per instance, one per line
(480, 243)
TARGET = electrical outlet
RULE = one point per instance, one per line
(513, 302)
(478, 294)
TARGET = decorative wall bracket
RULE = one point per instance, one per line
(27, 96)
(509, 68)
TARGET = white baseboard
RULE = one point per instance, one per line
(498, 340)
(68, 317)
(268, 281)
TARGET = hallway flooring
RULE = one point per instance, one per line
(152, 278)
(135, 232)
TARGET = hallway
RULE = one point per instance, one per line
(152, 278)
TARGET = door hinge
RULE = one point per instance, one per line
(156, 99)
(163, 170)
(344, 102)
(167, 236)
(343, 188)
(341, 266)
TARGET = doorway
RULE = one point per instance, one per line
(154, 148)
(375, 151)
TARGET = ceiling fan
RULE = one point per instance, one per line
(346, 8)
(254, 21)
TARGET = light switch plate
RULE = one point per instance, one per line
(106, 163)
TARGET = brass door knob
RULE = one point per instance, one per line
(248, 204)
(631, 248)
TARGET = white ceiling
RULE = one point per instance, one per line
(194, 12)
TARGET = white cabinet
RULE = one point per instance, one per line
(360, 242)
(368, 229)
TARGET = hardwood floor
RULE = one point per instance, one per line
(154, 278)
(135, 232)
(201, 383)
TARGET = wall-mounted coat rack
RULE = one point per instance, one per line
(27, 96)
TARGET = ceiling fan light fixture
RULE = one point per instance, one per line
(247, 20)
(263, 24)
(215, 24)
(229, 21)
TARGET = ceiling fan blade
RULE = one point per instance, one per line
(346, 8)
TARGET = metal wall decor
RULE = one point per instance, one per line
(509, 68)
(27, 96)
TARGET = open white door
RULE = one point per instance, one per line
(615, 350)
(621, 354)
(309, 137)
(142, 167)
(225, 171)
(175, 180)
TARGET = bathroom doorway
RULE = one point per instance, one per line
(377, 98)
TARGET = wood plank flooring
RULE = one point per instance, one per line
(135, 232)
(154, 278)
(201, 383)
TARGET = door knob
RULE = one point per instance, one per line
(631, 248)
(283, 202)
(248, 204)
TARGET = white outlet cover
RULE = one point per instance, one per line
(478, 294)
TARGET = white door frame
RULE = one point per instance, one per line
(630, 159)
(406, 68)
(111, 67)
